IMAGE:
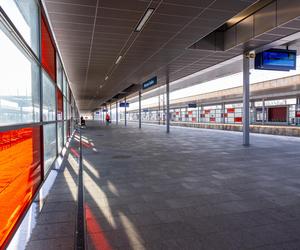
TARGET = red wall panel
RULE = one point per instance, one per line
(48, 51)
(238, 119)
(277, 114)
(20, 175)
(60, 104)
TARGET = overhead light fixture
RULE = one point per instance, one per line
(144, 20)
(106, 78)
(119, 59)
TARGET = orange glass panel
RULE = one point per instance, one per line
(20, 175)
(48, 51)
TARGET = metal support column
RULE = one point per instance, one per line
(263, 111)
(297, 120)
(140, 109)
(168, 102)
(246, 80)
(110, 110)
(117, 115)
(125, 113)
(223, 112)
(159, 109)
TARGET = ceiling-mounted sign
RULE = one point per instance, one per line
(124, 104)
(192, 105)
(276, 59)
(151, 82)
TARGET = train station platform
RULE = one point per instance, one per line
(190, 189)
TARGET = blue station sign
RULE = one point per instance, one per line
(151, 82)
(124, 104)
(192, 105)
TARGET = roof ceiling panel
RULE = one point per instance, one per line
(90, 51)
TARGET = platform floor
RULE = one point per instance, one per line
(190, 189)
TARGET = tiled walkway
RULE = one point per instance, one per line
(56, 224)
(191, 189)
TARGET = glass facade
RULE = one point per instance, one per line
(19, 93)
(48, 51)
(20, 174)
(25, 16)
(49, 102)
(49, 146)
(60, 141)
(59, 74)
(59, 97)
(33, 95)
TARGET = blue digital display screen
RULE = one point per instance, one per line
(276, 59)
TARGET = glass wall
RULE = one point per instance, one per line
(19, 93)
(49, 146)
(27, 79)
(60, 141)
(25, 16)
(49, 102)
(20, 174)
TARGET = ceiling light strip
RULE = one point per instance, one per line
(144, 19)
(119, 59)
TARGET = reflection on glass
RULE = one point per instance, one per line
(65, 84)
(49, 105)
(49, 146)
(65, 113)
(19, 93)
(59, 73)
(65, 131)
(24, 15)
(59, 136)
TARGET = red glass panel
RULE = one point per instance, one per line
(230, 110)
(48, 51)
(68, 128)
(60, 104)
(20, 175)
(277, 114)
(212, 119)
(238, 119)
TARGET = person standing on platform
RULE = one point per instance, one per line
(107, 118)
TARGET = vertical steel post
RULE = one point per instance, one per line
(140, 109)
(125, 113)
(246, 94)
(159, 109)
(117, 115)
(110, 110)
(263, 111)
(223, 113)
(168, 102)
